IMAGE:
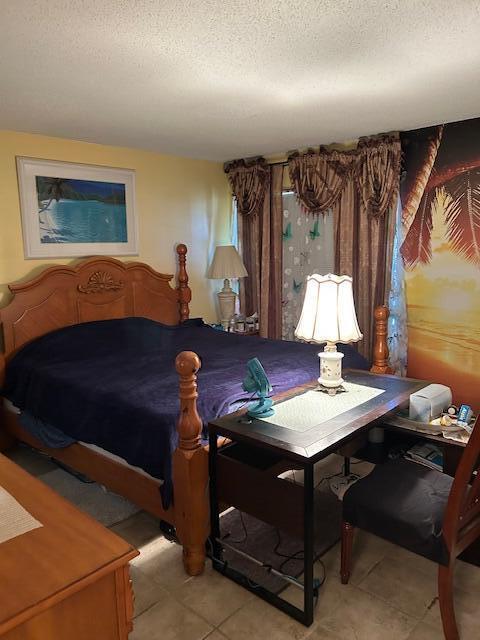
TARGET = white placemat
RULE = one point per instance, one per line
(310, 409)
(14, 519)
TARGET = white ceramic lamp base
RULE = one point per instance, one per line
(226, 303)
(331, 369)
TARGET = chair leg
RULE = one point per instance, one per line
(346, 552)
(446, 602)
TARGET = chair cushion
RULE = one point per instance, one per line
(404, 503)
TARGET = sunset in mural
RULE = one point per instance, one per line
(443, 281)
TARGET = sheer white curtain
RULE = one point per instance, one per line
(397, 323)
(308, 247)
(235, 240)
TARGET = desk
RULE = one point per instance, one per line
(256, 489)
(65, 579)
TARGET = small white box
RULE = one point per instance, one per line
(429, 402)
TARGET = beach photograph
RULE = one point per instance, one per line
(80, 211)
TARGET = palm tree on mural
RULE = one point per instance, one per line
(463, 215)
(462, 219)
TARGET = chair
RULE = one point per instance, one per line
(422, 510)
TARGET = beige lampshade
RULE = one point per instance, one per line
(226, 263)
(328, 312)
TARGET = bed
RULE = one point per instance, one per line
(115, 317)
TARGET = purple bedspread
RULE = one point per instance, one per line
(113, 383)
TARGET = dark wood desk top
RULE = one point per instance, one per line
(320, 440)
(48, 563)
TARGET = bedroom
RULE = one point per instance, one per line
(168, 95)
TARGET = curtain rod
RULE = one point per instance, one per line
(284, 162)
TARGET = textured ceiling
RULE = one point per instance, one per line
(221, 79)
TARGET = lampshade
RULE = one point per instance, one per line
(328, 313)
(226, 263)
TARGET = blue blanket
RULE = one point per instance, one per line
(113, 383)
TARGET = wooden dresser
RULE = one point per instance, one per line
(67, 580)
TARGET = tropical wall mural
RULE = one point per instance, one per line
(441, 252)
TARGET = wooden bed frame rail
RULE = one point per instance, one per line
(104, 288)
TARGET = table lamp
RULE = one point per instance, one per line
(328, 315)
(226, 264)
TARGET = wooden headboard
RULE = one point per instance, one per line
(98, 288)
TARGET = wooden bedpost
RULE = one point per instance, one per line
(190, 470)
(380, 347)
(2, 368)
(184, 291)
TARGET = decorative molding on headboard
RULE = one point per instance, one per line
(101, 281)
(99, 288)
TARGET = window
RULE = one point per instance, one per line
(234, 224)
(307, 248)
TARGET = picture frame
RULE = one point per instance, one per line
(71, 210)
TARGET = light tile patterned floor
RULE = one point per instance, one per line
(392, 595)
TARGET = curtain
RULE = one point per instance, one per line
(249, 181)
(377, 172)
(361, 186)
(257, 188)
(318, 179)
(308, 248)
(271, 257)
(360, 249)
(397, 322)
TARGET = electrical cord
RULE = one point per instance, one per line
(246, 401)
(333, 475)
(245, 532)
(298, 555)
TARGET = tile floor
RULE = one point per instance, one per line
(392, 594)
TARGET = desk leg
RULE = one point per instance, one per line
(451, 459)
(214, 515)
(308, 545)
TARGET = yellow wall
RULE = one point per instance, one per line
(178, 200)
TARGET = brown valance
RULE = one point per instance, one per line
(249, 180)
(319, 177)
(360, 187)
(377, 172)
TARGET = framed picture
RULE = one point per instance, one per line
(76, 209)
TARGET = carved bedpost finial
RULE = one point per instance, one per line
(380, 347)
(184, 291)
(189, 425)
